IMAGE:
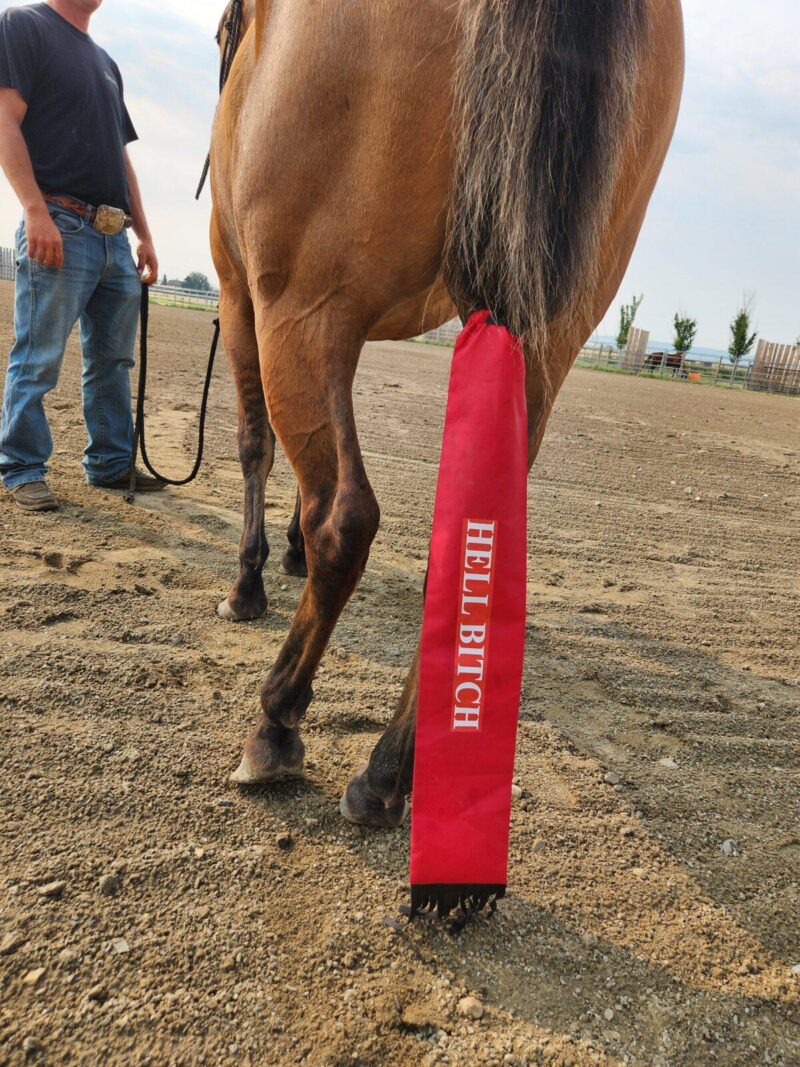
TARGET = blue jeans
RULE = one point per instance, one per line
(98, 285)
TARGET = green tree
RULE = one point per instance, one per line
(685, 333)
(164, 280)
(742, 340)
(627, 315)
(196, 280)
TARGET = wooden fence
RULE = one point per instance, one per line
(776, 369)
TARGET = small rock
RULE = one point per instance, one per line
(393, 924)
(284, 841)
(31, 1047)
(68, 957)
(120, 946)
(11, 942)
(608, 1015)
(668, 761)
(538, 845)
(516, 792)
(795, 970)
(98, 993)
(224, 802)
(341, 652)
(613, 778)
(109, 885)
(53, 890)
(32, 978)
(178, 639)
(729, 847)
(470, 1008)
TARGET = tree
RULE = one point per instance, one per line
(164, 280)
(742, 340)
(627, 314)
(196, 280)
(685, 333)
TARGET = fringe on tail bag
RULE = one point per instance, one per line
(473, 630)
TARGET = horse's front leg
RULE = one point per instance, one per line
(307, 370)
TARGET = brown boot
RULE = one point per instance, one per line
(144, 483)
(35, 496)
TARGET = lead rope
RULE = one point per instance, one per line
(233, 28)
(138, 431)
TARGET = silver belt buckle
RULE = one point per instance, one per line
(109, 220)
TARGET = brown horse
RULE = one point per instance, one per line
(375, 165)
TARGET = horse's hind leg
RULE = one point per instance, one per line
(308, 365)
(294, 559)
(247, 599)
(376, 795)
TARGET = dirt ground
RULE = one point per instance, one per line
(660, 722)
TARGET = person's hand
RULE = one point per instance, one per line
(44, 240)
(147, 262)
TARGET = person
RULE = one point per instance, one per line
(64, 131)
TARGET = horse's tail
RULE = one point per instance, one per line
(545, 99)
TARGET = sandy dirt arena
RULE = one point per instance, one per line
(153, 914)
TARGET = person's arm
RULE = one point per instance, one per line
(145, 250)
(44, 240)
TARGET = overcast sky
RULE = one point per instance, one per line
(725, 217)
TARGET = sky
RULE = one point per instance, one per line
(724, 220)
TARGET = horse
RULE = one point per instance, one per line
(377, 167)
(660, 361)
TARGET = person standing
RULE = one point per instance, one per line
(64, 129)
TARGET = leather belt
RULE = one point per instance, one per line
(106, 220)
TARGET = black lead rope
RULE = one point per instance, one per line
(233, 29)
(138, 432)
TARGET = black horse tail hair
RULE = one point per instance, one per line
(545, 100)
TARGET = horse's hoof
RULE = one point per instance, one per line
(361, 806)
(294, 566)
(264, 762)
(227, 612)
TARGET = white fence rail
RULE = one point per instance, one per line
(8, 264)
(176, 294)
(776, 368)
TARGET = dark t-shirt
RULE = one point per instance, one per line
(77, 125)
